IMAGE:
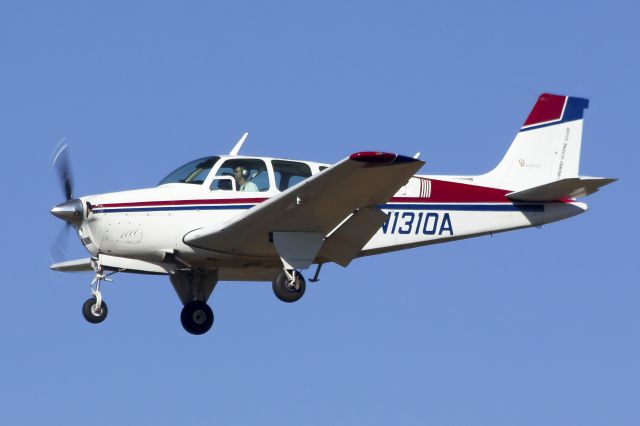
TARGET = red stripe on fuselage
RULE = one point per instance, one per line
(454, 192)
(183, 202)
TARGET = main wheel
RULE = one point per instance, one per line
(91, 312)
(289, 291)
(196, 317)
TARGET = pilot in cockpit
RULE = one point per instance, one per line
(241, 175)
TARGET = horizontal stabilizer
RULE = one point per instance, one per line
(561, 189)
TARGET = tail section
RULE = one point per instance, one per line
(547, 147)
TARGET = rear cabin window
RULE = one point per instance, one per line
(289, 173)
(249, 175)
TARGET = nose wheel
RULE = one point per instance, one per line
(196, 317)
(93, 312)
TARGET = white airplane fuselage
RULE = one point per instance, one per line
(147, 224)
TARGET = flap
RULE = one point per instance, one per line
(561, 189)
(345, 243)
(318, 204)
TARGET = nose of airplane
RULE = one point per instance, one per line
(69, 211)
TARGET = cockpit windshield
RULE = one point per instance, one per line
(193, 172)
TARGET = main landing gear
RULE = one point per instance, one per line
(196, 317)
(194, 288)
(289, 286)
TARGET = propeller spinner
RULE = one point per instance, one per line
(69, 211)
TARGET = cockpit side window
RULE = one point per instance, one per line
(193, 172)
(250, 175)
(289, 173)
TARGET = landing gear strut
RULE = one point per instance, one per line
(289, 286)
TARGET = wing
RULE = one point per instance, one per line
(79, 265)
(315, 206)
(114, 263)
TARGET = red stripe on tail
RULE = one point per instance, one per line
(548, 108)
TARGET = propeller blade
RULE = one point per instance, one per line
(60, 161)
(58, 248)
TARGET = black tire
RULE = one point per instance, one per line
(287, 293)
(91, 314)
(196, 317)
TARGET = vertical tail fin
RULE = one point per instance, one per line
(547, 147)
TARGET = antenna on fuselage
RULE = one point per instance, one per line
(236, 148)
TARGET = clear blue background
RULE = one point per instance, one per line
(526, 328)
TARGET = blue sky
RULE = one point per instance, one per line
(531, 327)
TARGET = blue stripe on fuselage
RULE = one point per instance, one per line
(468, 207)
(389, 206)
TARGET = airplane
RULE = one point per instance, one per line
(243, 218)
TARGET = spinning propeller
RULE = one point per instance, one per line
(60, 162)
(71, 210)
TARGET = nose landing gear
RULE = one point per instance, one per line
(95, 309)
